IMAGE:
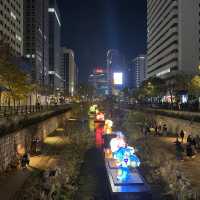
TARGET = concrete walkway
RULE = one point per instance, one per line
(13, 182)
(190, 166)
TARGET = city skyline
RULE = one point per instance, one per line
(92, 28)
(99, 99)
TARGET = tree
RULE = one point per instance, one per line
(86, 91)
(178, 82)
(152, 87)
(194, 87)
(11, 77)
(126, 92)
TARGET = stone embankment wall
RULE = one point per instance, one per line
(10, 143)
(175, 125)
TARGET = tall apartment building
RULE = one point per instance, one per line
(36, 38)
(139, 70)
(55, 80)
(173, 39)
(11, 24)
(69, 71)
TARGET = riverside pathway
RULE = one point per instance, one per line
(11, 183)
(189, 167)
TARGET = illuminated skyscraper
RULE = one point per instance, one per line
(68, 71)
(36, 38)
(11, 24)
(139, 70)
(98, 79)
(55, 79)
(173, 36)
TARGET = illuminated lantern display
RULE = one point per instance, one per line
(100, 117)
(93, 109)
(98, 137)
(117, 142)
(20, 149)
(107, 138)
(124, 155)
(97, 111)
(108, 126)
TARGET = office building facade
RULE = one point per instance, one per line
(98, 79)
(139, 70)
(69, 71)
(11, 24)
(55, 79)
(173, 37)
(36, 39)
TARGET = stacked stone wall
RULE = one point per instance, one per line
(23, 138)
(175, 125)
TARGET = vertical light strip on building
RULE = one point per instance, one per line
(52, 10)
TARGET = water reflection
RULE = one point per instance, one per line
(99, 131)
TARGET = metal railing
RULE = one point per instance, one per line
(7, 111)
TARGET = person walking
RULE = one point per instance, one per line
(159, 130)
(179, 150)
(182, 134)
(194, 143)
(164, 130)
(197, 142)
(156, 131)
(189, 139)
(189, 150)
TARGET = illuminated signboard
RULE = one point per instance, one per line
(118, 78)
(99, 71)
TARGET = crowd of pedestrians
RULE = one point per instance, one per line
(186, 144)
(157, 130)
(191, 148)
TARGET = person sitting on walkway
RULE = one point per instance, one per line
(25, 160)
(182, 135)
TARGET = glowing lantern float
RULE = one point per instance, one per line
(100, 117)
(124, 155)
(108, 126)
(99, 139)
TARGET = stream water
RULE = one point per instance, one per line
(93, 182)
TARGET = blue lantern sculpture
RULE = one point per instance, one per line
(125, 156)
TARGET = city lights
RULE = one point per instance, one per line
(118, 78)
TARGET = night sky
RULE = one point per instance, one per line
(91, 27)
